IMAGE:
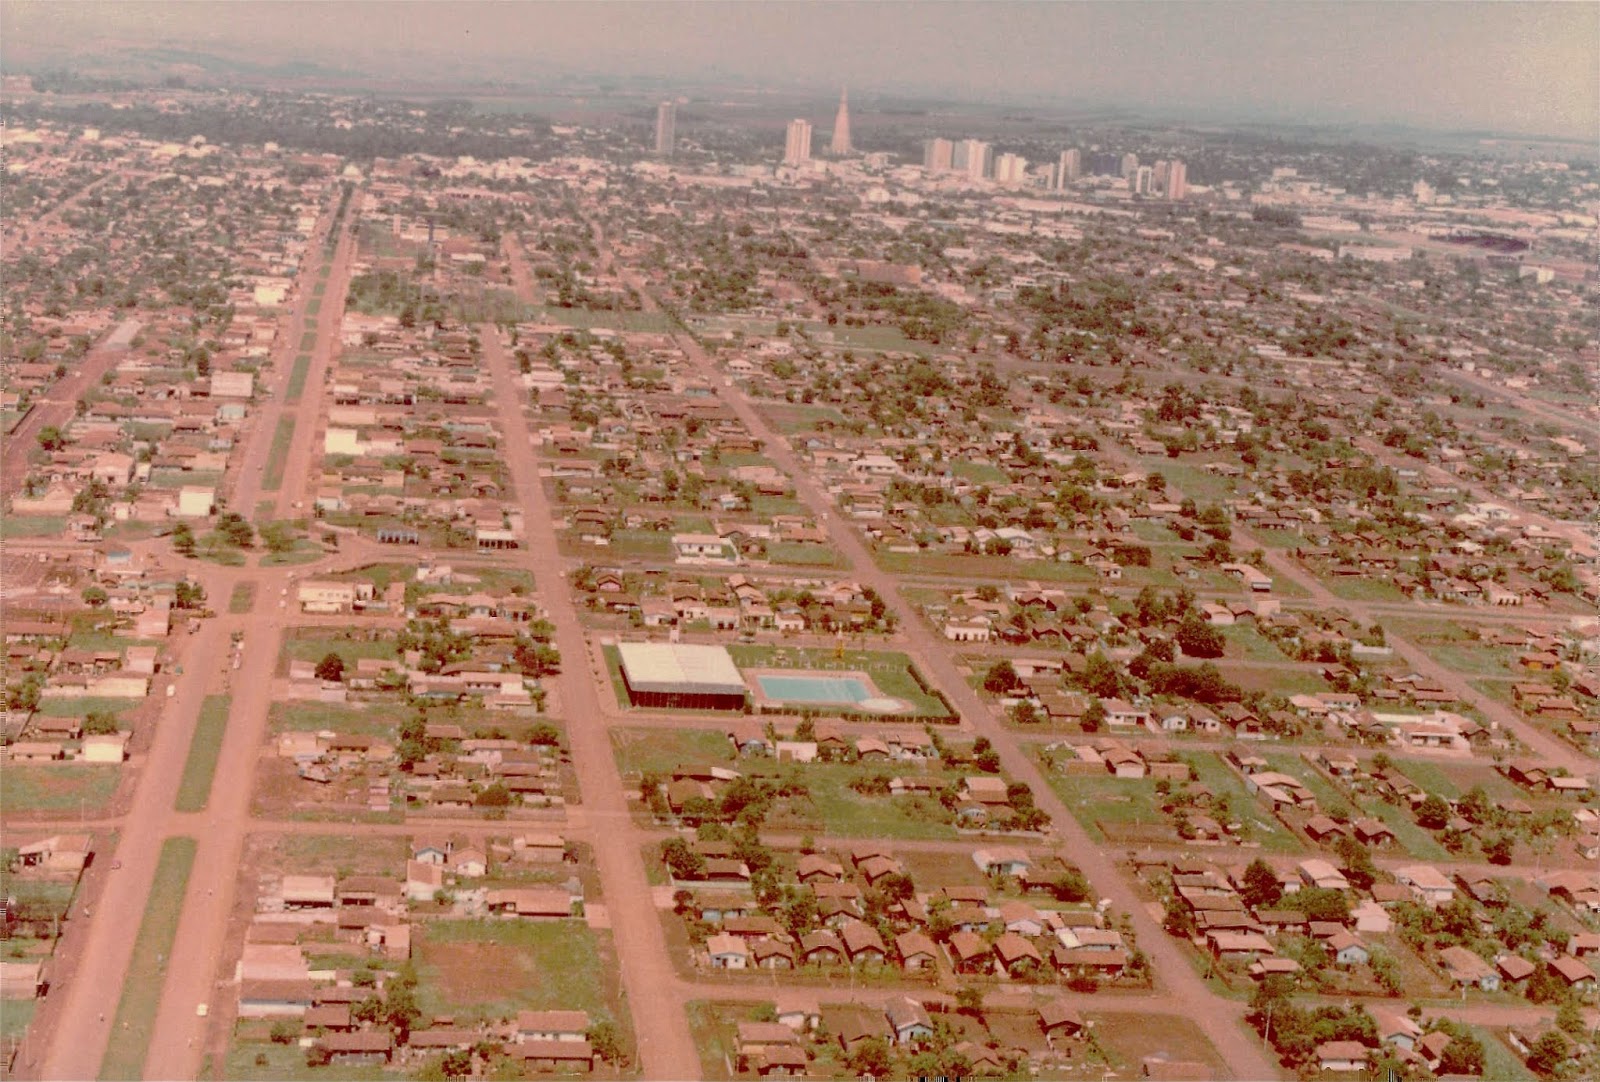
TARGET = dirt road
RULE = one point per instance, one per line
(665, 1047)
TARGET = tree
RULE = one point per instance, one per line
(1094, 717)
(969, 1000)
(1357, 861)
(51, 438)
(1463, 1055)
(1197, 638)
(278, 537)
(1320, 903)
(400, 1008)
(494, 796)
(870, 1057)
(1001, 678)
(1549, 1052)
(606, 1040)
(183, 539)
(331, 667)
(1434, 812)
(235, 530)
(681, 860)
(95, 596)
(284, 1031)
(1569, 1018)
(100, 722)
(1499, 849)
(188, 595)
(1260, 888)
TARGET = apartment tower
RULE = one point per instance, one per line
(839, 146)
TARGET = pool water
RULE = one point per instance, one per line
(814, 689)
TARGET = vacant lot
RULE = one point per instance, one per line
(658, 751)
(78, 788)
(314, 717)
(492, 969)
(243, 598)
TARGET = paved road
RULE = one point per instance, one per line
(1222, 1020)
(666, 1049)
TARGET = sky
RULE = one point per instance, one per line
(1510, 67)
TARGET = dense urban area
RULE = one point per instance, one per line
(677, 594)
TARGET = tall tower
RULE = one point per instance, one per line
(840, 145)
(666, 123)
(1177, 179)
(937, 154)
(797, 145)
(1069, 167)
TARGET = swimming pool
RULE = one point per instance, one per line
(814, 689)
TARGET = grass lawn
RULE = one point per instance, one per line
(1451, 780)
(259, 1061)
(835, 808)
(62, 788)
(14, 526)
(586, 318)
(14, 1020)
(201, 766)
(332, 854)
(715, 1026)
(278, 456)
(790, 419)
(305, 551)
(1356, 588)
(639, 545)
(136, 1012)
(314, 717)
(658, 751)
(1473, 659)
(801, 554)
(1499, 1062)
(314, 648)
(491, 968)
(979, 473)
(297, 376)
(243, 598)
(1250, 644)
(70, 707)
(960, 565)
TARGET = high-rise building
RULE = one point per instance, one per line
(1159, 177)
(797, 147)
(1177, 180)
(666, 123)
(975, 158)
(1130, 162)
(1010, 169)
(1069, 168)
(937, 155)
(1143, 181)
(839, 145)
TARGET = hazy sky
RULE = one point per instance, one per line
(1531, 67)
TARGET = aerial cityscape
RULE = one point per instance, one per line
(834, 541)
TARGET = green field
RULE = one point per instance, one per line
(980, 473)
(278, 456)
(332, 854)
(243, 598)
(79, 788)
(136, 1011)
(799, 554)
(588, 318)
(258, 1061)
(195, 789)
(975, 568)
(1359, 588)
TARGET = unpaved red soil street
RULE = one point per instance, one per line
(666, 1049)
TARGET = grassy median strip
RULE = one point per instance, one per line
(297, 378)
(135, 1022)
(278, 456)
(195, 789)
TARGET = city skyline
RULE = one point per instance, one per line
(1527, 68)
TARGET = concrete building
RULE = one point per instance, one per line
(1011, 169)
(938, 155)
(1069, 168)
(797, 145)
(975, 158)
